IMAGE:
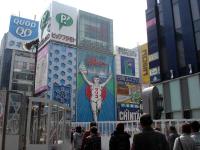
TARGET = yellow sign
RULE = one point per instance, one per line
(145, 64)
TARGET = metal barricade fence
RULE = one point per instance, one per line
(105, 128)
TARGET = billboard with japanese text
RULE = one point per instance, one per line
(128, 97)
(96, 92)
(21, 31)
(144, 57)
(59, 23)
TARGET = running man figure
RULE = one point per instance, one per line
(96, 93)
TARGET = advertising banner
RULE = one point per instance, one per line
(95, 87)
(127, 66)
(64, 23)
(21, 31)
(58, 23)
(128, 97)
(127, 61)
(2, 111)
(45, 27)
(128, 112)
(95, 32)
(41, 70)
(145, 64)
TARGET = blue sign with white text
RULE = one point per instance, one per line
(24, 29)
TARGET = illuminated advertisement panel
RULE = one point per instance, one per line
(41, 70)
(58, 23)
(127, 61)
(145, 59)
(128, 97)
(21, 31)
(95, 32)
(95, 87)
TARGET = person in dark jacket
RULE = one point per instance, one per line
(119, 139)
(172, 136)
(86, 134)
(93, 141)
(149, 139)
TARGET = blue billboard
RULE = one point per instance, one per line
(95, 87)
(21, 31)
(128, 66)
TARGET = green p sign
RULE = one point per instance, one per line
(64, 20)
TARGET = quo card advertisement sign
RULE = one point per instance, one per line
(21, 31)
(59, 23)
(41, 70)
(95, 87)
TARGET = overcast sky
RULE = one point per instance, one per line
(129, 25)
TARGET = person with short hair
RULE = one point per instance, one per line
(86, 134)
(149, 139)
(77, 136)
(119, 139)
(184, 142)
(195, 126)
(93, 141)
(172, 136)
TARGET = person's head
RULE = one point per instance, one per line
(93, 124)
(172, 129)
(93, 130)
(145, 120)
(186, 128)
(78, 129)
(195, 126)
(120, 127)
(96, 80)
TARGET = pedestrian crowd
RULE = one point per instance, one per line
(147, 139)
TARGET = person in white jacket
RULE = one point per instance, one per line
(184, 142)
(196, 134)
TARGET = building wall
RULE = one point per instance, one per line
(177, 31)
(181, 97)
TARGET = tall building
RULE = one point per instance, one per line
(17, 66)
(173, 32)
(173, 38)
(75, 62)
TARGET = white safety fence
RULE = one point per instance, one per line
(132, 127)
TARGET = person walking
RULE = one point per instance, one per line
(93, 141)
(195, 126)
(172, 136)
(86, 134)
(77, 138)
(184, 142)
(119, 139)
(149, 139)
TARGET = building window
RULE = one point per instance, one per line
(24, 65)
(177, 19)
(32, 66)
(181, 54)
(195, 9)
(197, 35)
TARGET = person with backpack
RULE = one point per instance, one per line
(184, 142)
(119, 139)
(77, 138)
